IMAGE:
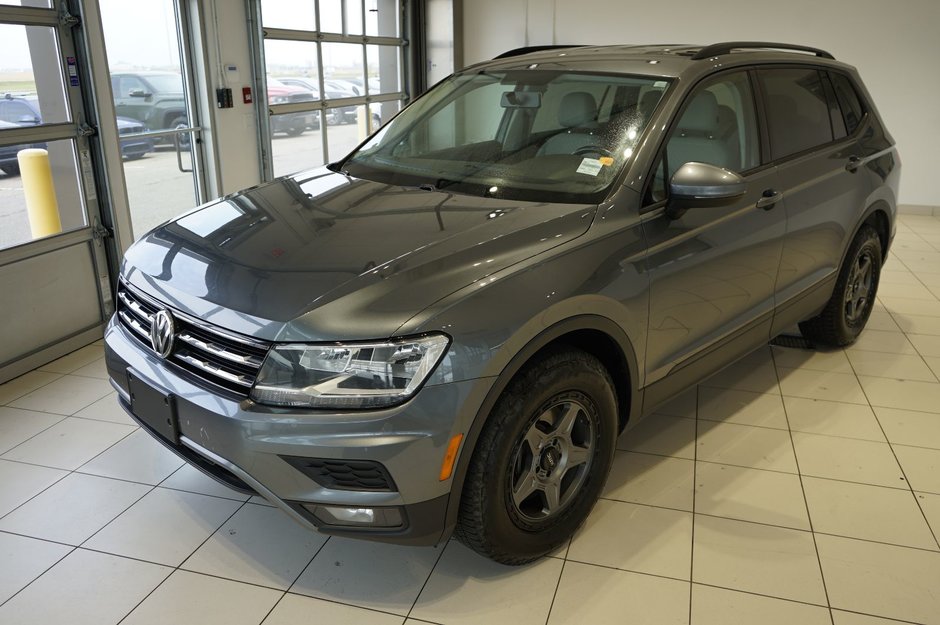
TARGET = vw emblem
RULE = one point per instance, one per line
(162, 332)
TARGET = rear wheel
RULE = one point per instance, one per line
(853, 298)
(541, 460)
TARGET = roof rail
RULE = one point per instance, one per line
(528, 49)
(717, 49)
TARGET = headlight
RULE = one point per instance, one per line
(347, 376)
(279, 99)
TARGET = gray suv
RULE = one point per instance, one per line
(447, 330)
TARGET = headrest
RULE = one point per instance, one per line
(702, 114)
(578, 108)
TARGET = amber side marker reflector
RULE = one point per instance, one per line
(447, 467)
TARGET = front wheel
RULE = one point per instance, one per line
(541, 460)
(853, 298)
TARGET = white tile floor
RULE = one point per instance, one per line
(793, 488)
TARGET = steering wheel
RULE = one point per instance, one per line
(592, 149)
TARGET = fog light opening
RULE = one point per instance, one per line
(356, 516)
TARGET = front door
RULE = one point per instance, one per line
(53, 267)
(712, 269)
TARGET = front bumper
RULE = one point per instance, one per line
(247, 446)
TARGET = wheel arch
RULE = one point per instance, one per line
(595, 334)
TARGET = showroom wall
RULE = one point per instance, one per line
(893, 44)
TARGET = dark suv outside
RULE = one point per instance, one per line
(155, 99)
(446, 330)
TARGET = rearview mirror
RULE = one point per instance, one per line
(701, 184)
(521, 100)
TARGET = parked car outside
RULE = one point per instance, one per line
(155, 99)
(8, 163)
(335, 115)
(18, 111)
(293, 124)
(133, 146)
(446, 331)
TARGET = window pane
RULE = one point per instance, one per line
(342, 68)
(382, 18)
(43, 4)
(159, 180)
(718, 127)
(344, 137)
(331, 16)
(32, 88)
(849, 102)
(384, 69)
(296, 143)
(353, 17)
(146, 80)
(289, 14)
(14, 218)
(382, 112)
(798, 113)
(293, 64)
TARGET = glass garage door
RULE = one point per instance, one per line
(53, 270)
(333, 72)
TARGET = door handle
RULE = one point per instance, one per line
(853, 164)
(769, 199)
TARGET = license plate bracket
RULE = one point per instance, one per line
(154, 407)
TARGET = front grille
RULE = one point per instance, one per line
(344, 474)
(130, 130)
(221, 359)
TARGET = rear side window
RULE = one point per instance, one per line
(797, 110)
(849, 101)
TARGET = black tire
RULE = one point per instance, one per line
(184, 139)
(295, 131)
(490, 521)
(853, 297)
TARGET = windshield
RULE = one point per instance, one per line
(534, 135)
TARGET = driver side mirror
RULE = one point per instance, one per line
(696, 185)
(138, 93)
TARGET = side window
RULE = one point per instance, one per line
(797, 110)
(718, 126)
(849, 101)
(129, 83)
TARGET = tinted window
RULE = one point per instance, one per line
(849, 102)
(797, 110)
(718, 126)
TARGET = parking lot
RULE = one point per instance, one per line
(158, 190)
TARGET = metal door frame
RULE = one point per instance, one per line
(68, 29)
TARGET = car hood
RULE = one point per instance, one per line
(322, 256)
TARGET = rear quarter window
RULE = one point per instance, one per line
(849, 102)
(797, 110)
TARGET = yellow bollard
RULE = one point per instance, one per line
(41, 204)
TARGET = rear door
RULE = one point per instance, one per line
(712, 269)
(814, 155)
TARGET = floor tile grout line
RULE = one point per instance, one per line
(113, 519)
(551, 605)
(907, 481)
(47, 569)
(26, 501)
(60, 375)
(174, 569)
(809, 516)
(273, 607)
(820, 477)
(427, 579)
(6, 451)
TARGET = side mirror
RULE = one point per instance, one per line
(697, 185)
(138, 93)
(28, 120)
